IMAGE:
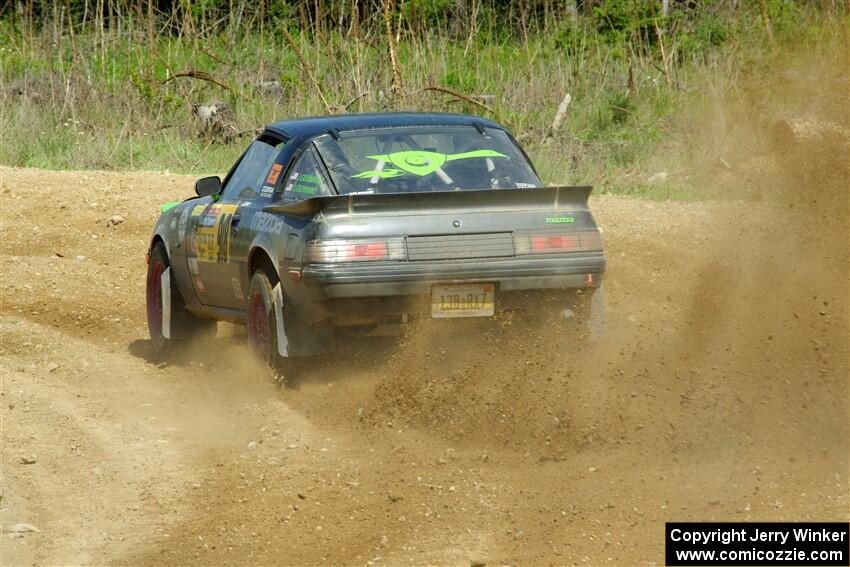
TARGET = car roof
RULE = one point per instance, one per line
(315, 125)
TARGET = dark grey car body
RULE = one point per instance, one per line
(216, 242)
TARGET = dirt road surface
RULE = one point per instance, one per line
(720, 392)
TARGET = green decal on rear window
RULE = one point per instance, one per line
(559, 220)
(420, 162)
(383, 174)
(167, 206)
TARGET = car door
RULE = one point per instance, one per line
(216, 248)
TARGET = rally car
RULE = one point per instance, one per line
(365, 222)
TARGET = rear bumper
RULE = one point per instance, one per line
(379, 279)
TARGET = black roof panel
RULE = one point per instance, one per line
(316, 125)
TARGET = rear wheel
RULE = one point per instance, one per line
(262, 328)
(595, 317)
(571, 316)
(169, 317)
(584, 317)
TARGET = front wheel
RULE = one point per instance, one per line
(263, 326)
(168, 320)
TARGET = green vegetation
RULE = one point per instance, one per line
(95, 85)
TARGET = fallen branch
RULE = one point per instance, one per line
(307, 69)
(200, 75)
(355, 99)
(459, 95)
(211, 55)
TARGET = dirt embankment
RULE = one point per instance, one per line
(720, 393)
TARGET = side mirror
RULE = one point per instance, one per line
(206, 186)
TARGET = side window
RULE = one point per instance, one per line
(306, 178)
(252, 172)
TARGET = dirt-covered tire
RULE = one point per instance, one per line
(262, 328)
(183, 325)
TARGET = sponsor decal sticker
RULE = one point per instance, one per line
(560, 220)
(274, 173)
(264, 222)
(211, 241)
(303, 183)
(303, 188)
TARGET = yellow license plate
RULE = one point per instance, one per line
(463, 300)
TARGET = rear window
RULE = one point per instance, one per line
(425, 159)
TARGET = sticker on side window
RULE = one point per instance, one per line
(303, 183)
(274, 173)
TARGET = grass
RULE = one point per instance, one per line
(101, 101)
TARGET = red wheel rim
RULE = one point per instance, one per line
(258, 329)
(155, 299)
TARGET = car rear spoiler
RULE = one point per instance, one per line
(556, 197)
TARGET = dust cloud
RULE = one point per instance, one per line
(719, 325)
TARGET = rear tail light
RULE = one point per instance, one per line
(551, 242)
(354, 250)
